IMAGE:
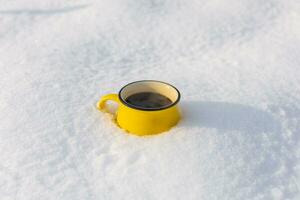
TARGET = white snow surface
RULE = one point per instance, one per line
(236, 63)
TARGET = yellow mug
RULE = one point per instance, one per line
(141, 120)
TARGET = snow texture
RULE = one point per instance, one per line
(236, 63)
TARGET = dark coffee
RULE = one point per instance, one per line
(148, 100)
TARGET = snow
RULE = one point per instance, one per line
(236, 63)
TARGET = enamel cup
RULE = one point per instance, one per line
(144, 121)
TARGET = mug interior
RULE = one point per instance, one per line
(162, 88)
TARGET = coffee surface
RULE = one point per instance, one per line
(148, 100)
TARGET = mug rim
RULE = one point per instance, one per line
(149, 109)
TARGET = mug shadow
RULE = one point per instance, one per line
(227, 117)
(261, 132)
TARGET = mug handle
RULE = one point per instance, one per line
(108, 97)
